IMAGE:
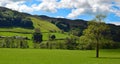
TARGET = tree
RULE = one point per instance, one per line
(52, 37)
(71, 43)
(37, 36)
(97, 31)
(85, 43)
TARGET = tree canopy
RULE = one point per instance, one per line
(37, 36)
(97, 32)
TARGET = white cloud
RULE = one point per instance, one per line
(65, 4)
(46, 5)
(16, 5)
(16, 0)
(25, 8)
(116, 23)
(78, 7)
(118, 1)
(59, 17)
(76, 13)
(89, 7)
(117, 12)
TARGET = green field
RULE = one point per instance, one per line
(43, 56)
(44, 25)
(30, 42)
(45, 35)
(22, 30)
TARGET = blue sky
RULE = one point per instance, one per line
(71, 9)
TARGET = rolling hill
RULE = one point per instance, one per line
(13, 21)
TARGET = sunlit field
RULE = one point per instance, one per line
(46, 56)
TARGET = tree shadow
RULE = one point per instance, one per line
(107, 57)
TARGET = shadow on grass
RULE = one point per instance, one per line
(107, 57)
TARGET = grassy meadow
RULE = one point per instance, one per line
(44, 26)
(45, 35)
(46, 56)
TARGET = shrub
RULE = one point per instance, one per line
(71, 43)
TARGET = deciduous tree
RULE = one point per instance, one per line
(97, 31)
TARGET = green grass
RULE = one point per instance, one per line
(15, 34)
(45, 35)
(15, 29)
(43, 56)
(58, 35)
(44, 25)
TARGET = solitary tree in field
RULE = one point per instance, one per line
(96, 31)
(99, 31)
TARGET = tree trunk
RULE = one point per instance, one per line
(97, 49)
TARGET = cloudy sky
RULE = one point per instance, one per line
(72, 9)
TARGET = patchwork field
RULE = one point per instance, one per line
(59, 36)
(45, 35)
(44, 56)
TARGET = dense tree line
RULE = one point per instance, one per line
(10, 18)
(63, 25)
(115, 32)
(12, 42)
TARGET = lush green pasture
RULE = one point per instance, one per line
(45, 35)
(44, 25)
(43, 56)
(15, 34)
(15, 29)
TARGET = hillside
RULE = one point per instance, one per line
(77, 26)
(11, 20)
(44, 25)
(66, 24)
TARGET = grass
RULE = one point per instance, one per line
(44, 56)
(45, 35)
(15, 34)
(58, 35)
(15, 29)
(44, 25)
